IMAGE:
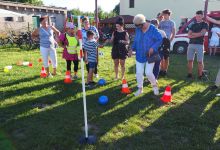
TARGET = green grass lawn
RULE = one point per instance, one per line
(191, 121)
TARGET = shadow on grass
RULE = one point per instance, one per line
(63, 92)
(60, 127)
(190, 126)
(20, 81)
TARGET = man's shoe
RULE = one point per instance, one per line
(213, 88)
(189, 76)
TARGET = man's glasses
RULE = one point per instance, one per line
(138, 25)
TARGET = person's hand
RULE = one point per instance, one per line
(151, 51)
(85, 60)
(129, 53)
(101, 46)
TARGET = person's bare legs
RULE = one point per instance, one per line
(166, 64)
(162, 65)
(116, 64)
(210, 51)
(122, 63)
(54, 71)
(47, 70)
(200, 68)
(190, 66)
(215, 48)
(90, 75)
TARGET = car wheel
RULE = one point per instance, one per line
(181, 47)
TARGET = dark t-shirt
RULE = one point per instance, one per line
(196, 28)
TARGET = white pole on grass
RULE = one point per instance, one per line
(85, 139)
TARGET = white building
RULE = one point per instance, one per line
(180, 8)
(20, 16)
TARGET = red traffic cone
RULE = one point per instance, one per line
(30, 64)
(125, 88)
(43, 73)
(67, 78)
(167, 97)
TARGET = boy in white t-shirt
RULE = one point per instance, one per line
(214, 40)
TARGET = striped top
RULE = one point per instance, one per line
(91, 48)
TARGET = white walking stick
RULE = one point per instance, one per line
(85, 139)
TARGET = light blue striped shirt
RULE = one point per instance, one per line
(90, 46)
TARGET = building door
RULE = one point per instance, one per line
(36, 21)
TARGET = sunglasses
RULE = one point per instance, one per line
(138, 25)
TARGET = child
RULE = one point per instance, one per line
(70, 52)
(214, 41)
(90, 47)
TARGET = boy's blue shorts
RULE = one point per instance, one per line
(92, 65)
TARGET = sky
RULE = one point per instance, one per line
(83, 5)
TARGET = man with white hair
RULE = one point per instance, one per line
(146, 42)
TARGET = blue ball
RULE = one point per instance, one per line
(103, 100)
(102, 82)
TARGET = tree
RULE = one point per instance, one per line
(35, 2)
(77, 12)
(116, 10)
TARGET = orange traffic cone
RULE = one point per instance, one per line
(125, 88)
(39, 60)
(43, 73)
(167, 97)
(68, 78)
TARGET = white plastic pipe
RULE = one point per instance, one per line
(83, 80)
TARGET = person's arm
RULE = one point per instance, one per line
(213, 20)
(173, 32)
(158, 40)
(218, 33)
(97, 33)
(85, 57)
(35, 34)
(127, 40)
(61, 40)
(202, 33)
(55, 30)
(190, 34)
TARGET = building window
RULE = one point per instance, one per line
(9, 19)
(20, 19)
(131, 3)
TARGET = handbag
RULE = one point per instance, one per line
(154, 58)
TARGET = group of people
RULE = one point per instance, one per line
(151, 45)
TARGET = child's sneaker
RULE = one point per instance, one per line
(75, 77)
(86, 84)
(92, 83)
(97, 76)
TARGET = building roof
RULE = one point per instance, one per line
(8, 13)
(127, 19)
(26, 5)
